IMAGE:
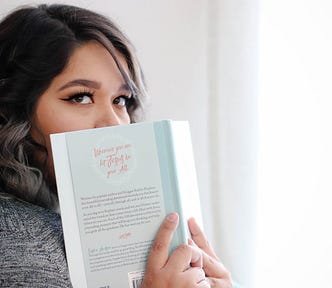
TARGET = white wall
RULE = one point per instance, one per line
(294, 245)
(233, 77)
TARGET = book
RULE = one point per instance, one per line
(116, 185)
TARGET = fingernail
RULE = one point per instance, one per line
(172, 217)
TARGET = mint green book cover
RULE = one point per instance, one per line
(116, 185)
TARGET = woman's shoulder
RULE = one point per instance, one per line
(31, 246)
(18, 216)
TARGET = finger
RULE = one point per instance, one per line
(197, 257)
(199, 238)
(195, 274)
(160, 248)
(219, 283)
(204, 284)
(214, 268)
(182, 257)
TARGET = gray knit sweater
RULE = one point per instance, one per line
(31, 246)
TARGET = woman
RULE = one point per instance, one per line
(63, 68)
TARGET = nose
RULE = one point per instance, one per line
(106, 116)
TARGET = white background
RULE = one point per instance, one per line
(254, 80)
(295, 190)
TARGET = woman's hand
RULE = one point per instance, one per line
(215, 272)
(184, 268)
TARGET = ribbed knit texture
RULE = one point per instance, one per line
(31, 246)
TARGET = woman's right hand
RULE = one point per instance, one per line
(183, 268)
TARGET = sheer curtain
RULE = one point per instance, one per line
(270, 126)
(233, 79)
(294, 247)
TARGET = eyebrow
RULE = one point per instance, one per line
(91, 84)
(81, 82)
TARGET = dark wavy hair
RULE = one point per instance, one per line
(35, 46)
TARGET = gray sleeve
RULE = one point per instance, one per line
(31, 249)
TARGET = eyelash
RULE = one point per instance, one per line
(127, 98)
(79, 94)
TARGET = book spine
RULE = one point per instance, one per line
(170, 181)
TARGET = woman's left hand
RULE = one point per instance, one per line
(216, 273)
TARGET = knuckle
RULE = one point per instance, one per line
(183, 249)
(158, 246)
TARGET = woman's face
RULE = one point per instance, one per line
(89, 93)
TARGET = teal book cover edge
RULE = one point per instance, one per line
(170, 181)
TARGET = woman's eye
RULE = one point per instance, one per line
(80, 98)
(121, 100)
(83, 99)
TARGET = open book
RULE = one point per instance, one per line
(116, 185)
